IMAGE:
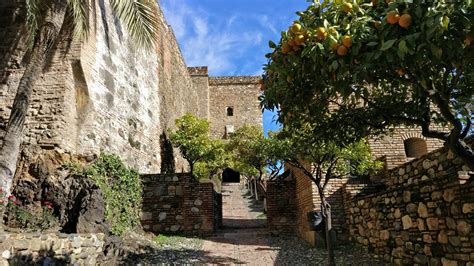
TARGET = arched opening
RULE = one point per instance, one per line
(415, 147)
(230, 111)
(230, 176)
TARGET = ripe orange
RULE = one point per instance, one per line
(405, 21)
(393, 17)
(295, 28)
(299, 39)
(321, 33)
(401, 72)
(468, 40)
(347, 7)
(341, 50)
(334, 46)
(347, 41)
(286, 48)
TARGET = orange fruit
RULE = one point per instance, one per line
(401, 72)
(347, 7)
(286, 48)
(468, 39)
(405, 21)
(341, 50)
(295, 28)
(299, 39)
(289, 79)
(347, 41)
(321, 33)
(393, 17)
(334, 46)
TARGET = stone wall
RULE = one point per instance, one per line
(425, 216)
(57, 248)
(239, 93)
(178, 203)
(281, 206)
(200, 77)
(102, 95)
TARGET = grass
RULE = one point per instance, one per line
(178, 242)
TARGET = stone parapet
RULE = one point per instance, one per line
(55, 248)
(237, 80)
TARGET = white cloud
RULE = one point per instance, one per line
(207, 39)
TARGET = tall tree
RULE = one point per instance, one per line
(366, 66)
(248, 146)
(44, 21)
(192, 139)
(322, 159)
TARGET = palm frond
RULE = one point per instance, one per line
(33, 15)
(80, 19)
(140, 19)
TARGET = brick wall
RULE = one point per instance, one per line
(177, 203)
(281, 206)
(391, 147)
(425, 216)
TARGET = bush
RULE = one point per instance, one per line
(122, 191)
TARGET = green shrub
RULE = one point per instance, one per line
(122, 191)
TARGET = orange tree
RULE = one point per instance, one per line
(366, 66)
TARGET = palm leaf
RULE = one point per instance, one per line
(140, 19)
(80, 19)
(33, 15)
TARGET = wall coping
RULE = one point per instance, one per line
(235, 80)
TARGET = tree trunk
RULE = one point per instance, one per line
(44, 40)
(463, 151)
(326, 211)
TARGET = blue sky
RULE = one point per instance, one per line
(230, 36)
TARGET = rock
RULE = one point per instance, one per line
(21, 244)
(436, 195)
(146, 216)
(454, 240)
(420, 224)
(6, 254)
(384, 235)
(432, 223)
(420, 259)
(397, 213)
(198, 202)
(467, 207)
(179, 191)
(411, 208)
(91, 218)
(427, 238)
(451, 223)
(442, 237)
(463, 228)
(162, 216)
(427, 250)
(448, 195)
(174, 228)
(422, 210)
(406, 196)
(194, 209)
(447, 262)
(407, 222)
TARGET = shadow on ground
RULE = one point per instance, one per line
(176, 257)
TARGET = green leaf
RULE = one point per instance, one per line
(402, 49)
(387, 45)
(271, 44)
(372, 44)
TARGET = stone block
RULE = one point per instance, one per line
(432, 223)
(194, 209)
(162, 216)
(448, 195)
(21, 244)
(467, 208)
(463, 228)
(442, 237)
(407, 222)
(447, 262)
(198, 202)
(411, 208)
(174, 228)
(179, 191)
(422, 210)
(406, 196)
